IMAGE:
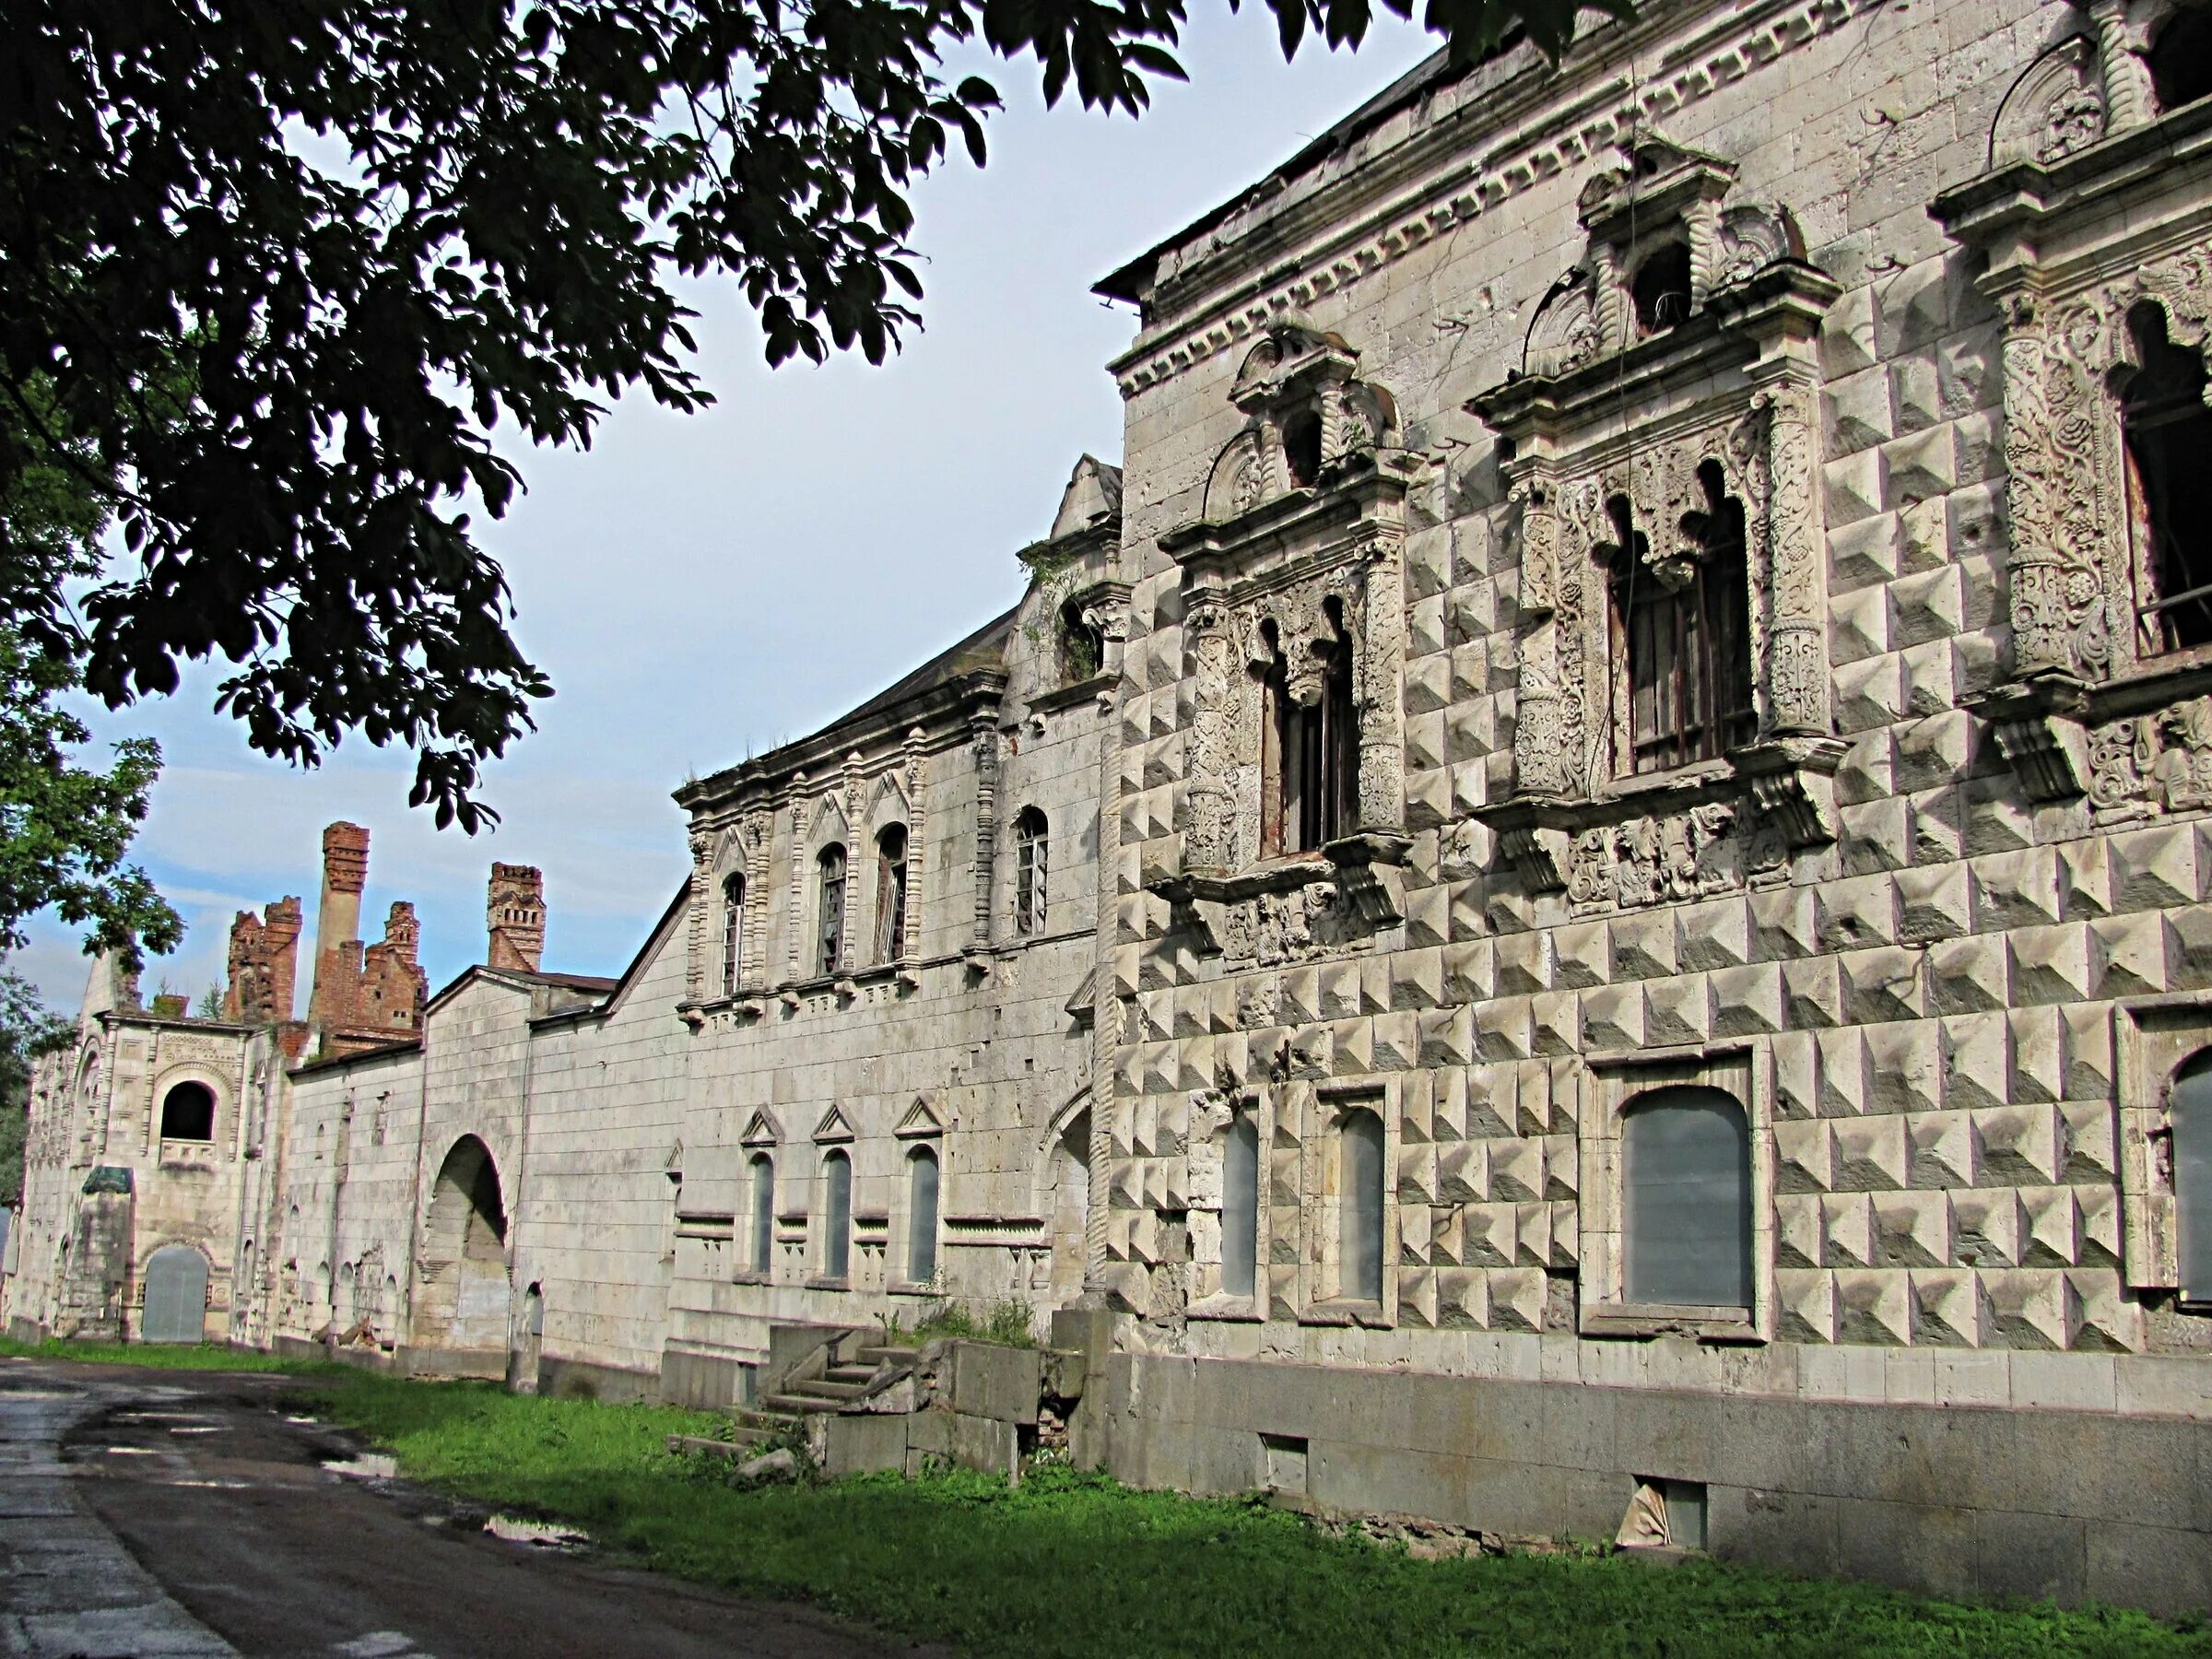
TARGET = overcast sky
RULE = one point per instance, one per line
(704, 587)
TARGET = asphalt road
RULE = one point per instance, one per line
(161, 1513)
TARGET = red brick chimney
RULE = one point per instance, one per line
(514, 915)
(338, 926)
(265, 964)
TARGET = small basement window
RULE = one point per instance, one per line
(1661, 288)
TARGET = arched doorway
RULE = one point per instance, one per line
(463, 1299)
(176, 1296)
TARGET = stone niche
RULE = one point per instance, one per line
(1295, 572)
(1668, 379)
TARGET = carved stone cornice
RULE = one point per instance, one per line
(2037, 723)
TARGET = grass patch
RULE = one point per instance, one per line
(200, 1356)
(1007, 1323)
(1072, 1564)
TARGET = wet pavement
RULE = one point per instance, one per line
(164, 1513)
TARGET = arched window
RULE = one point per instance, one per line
(1686, 1179)
(1310, 758)
(837, 1216)
(732, 932)
(890, 894)
(1241, 1207)
(1681, 623)
(921, 1215)
(1661, 288)
(1033, 857)
(2181, 58)
(830, 935)
(1360, 1211)
(764, 1212)
(2168, 443)
(2191, 1114)
(188, 1112)
(1302, 448)
(1082, 644)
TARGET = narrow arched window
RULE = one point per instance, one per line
(188, 1112)
(732, 932)
(764, 1212)
(837, 1216)
(921, 1215)
(2190, 1109)
(890, 894)
(2169, 446)
(1360, 1211)
(1310, 759)
(1659, 290)
(1686, 1175)
(1032, 858)
(1240, 1207)
(830, 934)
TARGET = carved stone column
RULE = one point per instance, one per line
(2056, 601)
(796, 933)
(909, 925)
(2127, 90)
(695, 975)
(1538, 734)
(1797, 657)
(1209, 841)
(985, 740)
(1380, 667)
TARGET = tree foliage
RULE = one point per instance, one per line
(26, 1030)
(368, 234)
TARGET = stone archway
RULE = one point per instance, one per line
(462, 1304)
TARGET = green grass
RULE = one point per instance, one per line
(1072, 1564)
(204, 1357)
(1007, 1323)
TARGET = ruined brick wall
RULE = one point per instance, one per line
(264, 964)
(514, 917)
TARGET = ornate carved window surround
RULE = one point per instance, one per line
(1733, 387)
(2092, 208)
(1305, 519)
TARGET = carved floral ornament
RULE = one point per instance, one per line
(1308, 412)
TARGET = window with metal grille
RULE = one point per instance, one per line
(890, 894)
(2168, 443)
(1032, 855)
(1311, 759)
(1682, 637)
(732, 932)
(830, 935)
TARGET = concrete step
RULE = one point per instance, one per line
(824, 1388)
(797, 1406)
(893, 1356)
(849, 1373)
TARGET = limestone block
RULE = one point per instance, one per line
(1428, 685)
(1845, 1084)
(2051, 964)
(1462, 1172)
(1489, 1235)
(1846, 1231)
(1870, 1154)
(1516, 1299)
(1582, 956)
(2188, 934)
(2090, 1144)
(2084, 880)
(2019, 1145)
(1883, 983)
(2029, 1308)
(1524, 963)
(1503, 1029)
(1715, 935)
(1532, 1111)
(1783, 924)
(1965, 975)
(1858, 625)
(1425, 627)
(1933, 903)
(1232, 1061)
(1476, 609)
(1461, 1300)
(1352, 1047)
(1876, 837)
(1473, 547)
(2038, 1056)
(1796, 1062)
(1928, 606)
(1996, 819)
(1931, 678)
(1747, 1001)
(2106, 1317)
(1643, 946)
(1936, 751)
(2130, 955)
(2098, 1224)
(1301, 996)
(1869, 694)
(1470, 970)
(2016, 890)
(1308, 1053)
(1613, 1018)
(1978, 447)
(1804, 1157)
(1945, 1150)
(1977, 1058)
(1428, 799)
(1912, 1230)
(1490, 1102)
(1340, 997)
(1853, 486)
(1562, 1168)
(1905, 1065)
(1977, 662)
(1848, 335)
(1867, 772)
(1938, 831)
(2053, 1227)
(1974, 522)
(1282, 1290)
(1855, 914)
(1920, 467)
(1566, 1235)
(1949, 1309)
(1428, 555)
(1471, 674)
(1470, 901)
(1196, 1067)
(1858, 412)
(1417, 1178)
(1678, 1010)
(1874, 1307)
(1800, 1233)
(1805, 1304)
(1923, 543)
(1554, 1019)
(1425, 741)
(1986, 1229)
(1813, 991)
(1473, 733)
(1534, 1236)
(1508, 910)
(1416, 1298)
(2089, 1037)
(2154, 868)
(1446, 1036)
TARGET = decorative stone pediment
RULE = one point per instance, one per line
(922, 1120)
(834, 1127)
(761, 1130)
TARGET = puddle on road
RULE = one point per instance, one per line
(196, 1429)
(369, 1466)
(130, 1451)
(539, 1534)
(295, 1418)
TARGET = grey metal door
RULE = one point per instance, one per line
(176, 1295)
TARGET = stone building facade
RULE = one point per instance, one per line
(1583, 887)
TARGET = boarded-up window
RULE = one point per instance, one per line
(176, 1296)
(2169, 433)
(188, 1113)
(1360, 1211)
(890, 894)
(2192, 1118)
(1686, 1182)
(922, 1216)
(733, 931)
(1240, 1207)
(837, 1216)
(764, 1212)
(1032, 858)
(831, 932)
(1682, 637)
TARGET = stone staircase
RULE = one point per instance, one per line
(845, 1369)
